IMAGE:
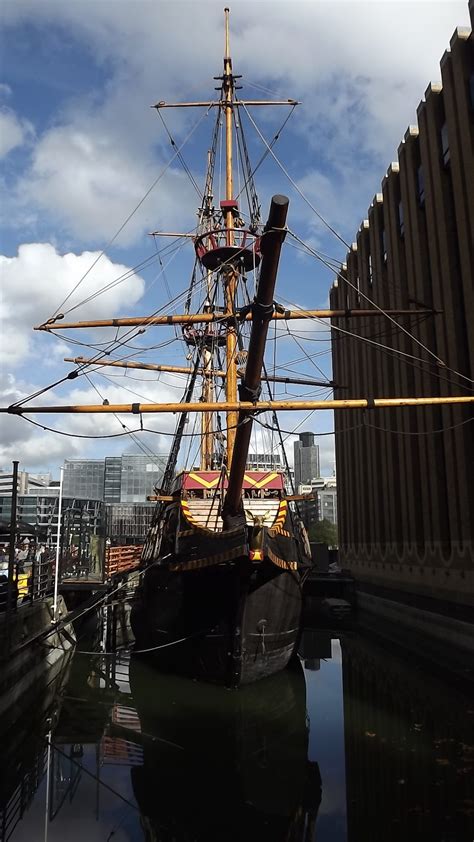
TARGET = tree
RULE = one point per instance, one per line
(323, 532)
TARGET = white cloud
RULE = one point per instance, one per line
(88, 182)
(37, 280)
(36, 448)
(13, 131)
(346, 61)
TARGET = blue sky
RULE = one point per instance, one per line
(80, 146)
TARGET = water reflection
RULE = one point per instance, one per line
(218, 763)
(26, 721)
(322, 660)
(358, 746)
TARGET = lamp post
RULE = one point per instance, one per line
(13, 532)
(58, 546)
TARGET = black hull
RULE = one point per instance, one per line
(236, 622)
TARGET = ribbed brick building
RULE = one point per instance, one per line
(406, 498)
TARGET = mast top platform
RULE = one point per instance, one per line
(214, 252)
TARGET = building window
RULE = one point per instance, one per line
(471, 90)
(420, 179)
(384, 245)
(445, 144)
(370, 269)
(401, 221)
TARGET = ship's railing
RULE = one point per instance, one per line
(122, 559)
(40, 579)
(33, 579)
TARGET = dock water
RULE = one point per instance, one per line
(354, 742)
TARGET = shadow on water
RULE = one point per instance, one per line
(360, 746)
(409, 749)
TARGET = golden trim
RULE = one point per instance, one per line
(286, 565)
(279, 531)
(199, 563)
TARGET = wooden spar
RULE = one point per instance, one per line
(177, 369)
(250, 388)
(171, 234)
(197, 318)
(230, 274)
(224, 406)
(218, 102)
(172, 369)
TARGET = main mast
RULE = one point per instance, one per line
(230, 276)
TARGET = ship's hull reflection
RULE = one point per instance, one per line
(220, 764)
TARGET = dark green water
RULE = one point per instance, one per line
(358, 745)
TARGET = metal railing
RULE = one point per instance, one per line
(33, 579)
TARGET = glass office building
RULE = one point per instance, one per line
(112, 479)
(139, 476)
(115, 479)
(84, 478)
(263, 462)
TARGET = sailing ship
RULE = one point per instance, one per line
(231, 554)
(223, 566)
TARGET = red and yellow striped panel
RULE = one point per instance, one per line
(252, 479)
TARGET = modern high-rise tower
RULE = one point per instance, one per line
(307, 466)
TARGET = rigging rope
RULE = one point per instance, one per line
(223, 429)
(146, 451)
(264, 156)
(386, 348)
(133, 212)
(294, 184)
(371, 301)
(144, 264)
(180, 156)
(112, 346)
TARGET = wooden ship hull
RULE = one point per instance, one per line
(231, 597)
